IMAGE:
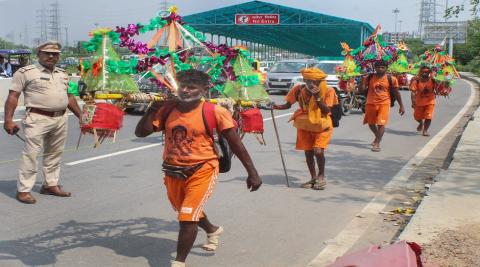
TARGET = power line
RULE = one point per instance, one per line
(428, 14)
(55, 29)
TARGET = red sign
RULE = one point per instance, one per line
(257, 19)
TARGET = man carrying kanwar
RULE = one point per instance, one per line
(313, 121)
(422, 89)
(382, 90)
(190, 161)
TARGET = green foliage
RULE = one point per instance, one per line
(416, 48)
(468, 55)
(4, 44)
(457, 9)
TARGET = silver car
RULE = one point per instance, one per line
(328, 66)
(286, 73)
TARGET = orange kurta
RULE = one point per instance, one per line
(307, 140)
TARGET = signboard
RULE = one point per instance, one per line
(435, 32)
(257, 19)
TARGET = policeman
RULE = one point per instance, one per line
(44, 87)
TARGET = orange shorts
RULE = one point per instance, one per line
(188, 197)
(376, 114)
(424, 112)
(309, 140)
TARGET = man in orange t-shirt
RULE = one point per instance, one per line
(377, 108)
(190, 162)
(313, 143)
(423, 99)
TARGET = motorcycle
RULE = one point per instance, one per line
(351, 100)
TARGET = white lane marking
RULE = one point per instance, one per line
(279, 116)
(342, 243)
(17, 120)
(111, 154)
(137, 148)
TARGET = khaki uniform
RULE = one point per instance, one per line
(47, 91)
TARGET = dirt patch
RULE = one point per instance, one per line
(454, 248)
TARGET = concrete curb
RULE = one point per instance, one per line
(353, 231)
(452, 202)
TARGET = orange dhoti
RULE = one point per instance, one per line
(188, 197)
(424, 112)
(376, 114)
(307, 140)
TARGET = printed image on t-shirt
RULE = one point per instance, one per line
(180, 144)
(379, 88)
(425, 92)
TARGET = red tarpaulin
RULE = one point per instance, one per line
(401, 254)
(252, 121)
(106, 116)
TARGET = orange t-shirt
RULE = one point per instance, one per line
(424, 92)
(186, 140)
(378, 91)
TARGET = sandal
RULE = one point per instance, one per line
(376, 149)
(319, 184)
(308, 184)
(212, 240)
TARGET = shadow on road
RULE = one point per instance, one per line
(351, 143)
(402, 133)
(9, 188)
(131, 238)
(343, 169)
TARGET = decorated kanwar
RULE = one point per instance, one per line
(208, 95)
(435, 74)
(381, 88)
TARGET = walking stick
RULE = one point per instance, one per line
(280, 147)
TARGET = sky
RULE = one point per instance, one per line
(19, 17)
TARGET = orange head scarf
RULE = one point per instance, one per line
(313, 74)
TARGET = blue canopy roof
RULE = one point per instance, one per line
(15, 51)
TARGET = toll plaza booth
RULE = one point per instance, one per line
(274, 32)
(282, 39)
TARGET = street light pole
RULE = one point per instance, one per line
(395, 12)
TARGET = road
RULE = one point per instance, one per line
(119, 214)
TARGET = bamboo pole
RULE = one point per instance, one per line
(280, 147)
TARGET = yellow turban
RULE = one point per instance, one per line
(313, 74)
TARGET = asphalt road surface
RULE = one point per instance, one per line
(119, 214)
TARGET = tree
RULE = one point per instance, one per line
(416, 47)
(9, 45)
(456, 9)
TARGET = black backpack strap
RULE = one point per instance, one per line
(391, 90)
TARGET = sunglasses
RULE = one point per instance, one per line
(55, 54)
